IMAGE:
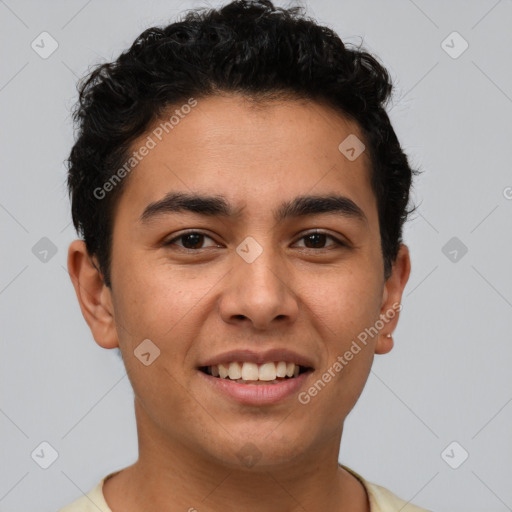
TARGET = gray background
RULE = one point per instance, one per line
(448, 377)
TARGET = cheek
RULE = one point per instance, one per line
(157, 306)
(346, 302)
(156, 301)
(351, 312)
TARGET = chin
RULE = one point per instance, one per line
(262, 448)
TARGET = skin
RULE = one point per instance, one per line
(194, 305)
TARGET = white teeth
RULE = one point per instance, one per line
(235, 371)
(253, 372)
(281, 369)
(267, 371)
(223, 371)
(250, 371)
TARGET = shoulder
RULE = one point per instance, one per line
(382, 499)
(93, 501)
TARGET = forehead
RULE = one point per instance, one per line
(249, 153)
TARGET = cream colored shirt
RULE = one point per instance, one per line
(381, 500)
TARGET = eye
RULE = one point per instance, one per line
(192, 240)
(318, 239)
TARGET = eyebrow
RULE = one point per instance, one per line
(212, 206)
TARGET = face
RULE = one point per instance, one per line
(249, 275)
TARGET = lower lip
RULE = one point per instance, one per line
(257, 394)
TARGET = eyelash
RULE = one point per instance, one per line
(337, 242)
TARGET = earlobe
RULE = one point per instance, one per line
(384, 343)
(93, 296)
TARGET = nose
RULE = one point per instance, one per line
(259, 293)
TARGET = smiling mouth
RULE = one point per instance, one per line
(252, 373)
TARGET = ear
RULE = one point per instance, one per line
(391, 298)
(93, 295)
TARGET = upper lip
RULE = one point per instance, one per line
(251, 356)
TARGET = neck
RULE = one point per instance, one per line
(172, 477)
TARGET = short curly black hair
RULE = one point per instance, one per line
(249, 48)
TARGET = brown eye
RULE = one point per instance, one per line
(317, 241)
(193, 240)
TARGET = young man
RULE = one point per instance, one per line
(241, 193)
